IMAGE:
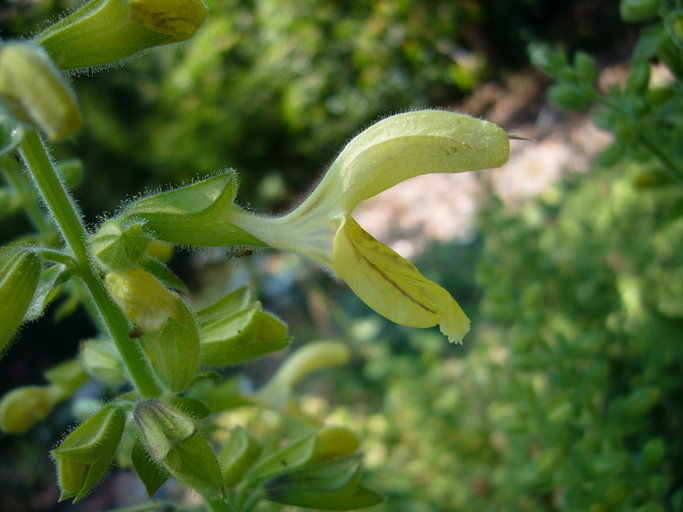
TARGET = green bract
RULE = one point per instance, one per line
(34, 89)
(170, 437)
(19, 275)
(106, 31)
(120, 247)
(241, 336)
(85, 455)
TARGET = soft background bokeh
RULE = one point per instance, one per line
(565, 396)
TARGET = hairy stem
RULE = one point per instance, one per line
(73, 231)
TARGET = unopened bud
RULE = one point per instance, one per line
(24, 407)
(34, 89)
(170, 437)
(146, 302)
(306, 360)
(103, 32)
(86, 454)
(162, 426)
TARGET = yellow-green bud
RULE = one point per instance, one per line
(86, 454)
(335, 442)
(34, 89)
(146, 302)
(103, 32)
(120, 247)
(19, 275)
(24, 407)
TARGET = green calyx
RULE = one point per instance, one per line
(104, 32)
(85, 455)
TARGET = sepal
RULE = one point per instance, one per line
(101, 359)
(118, 247)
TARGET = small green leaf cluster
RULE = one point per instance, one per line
(644, 112)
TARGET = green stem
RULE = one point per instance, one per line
(73, 231)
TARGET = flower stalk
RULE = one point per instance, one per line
(71, 226)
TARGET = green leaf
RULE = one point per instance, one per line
(152, 474)
(291, 456)
(49, 286)
(194, 463)
(197, 214)
(238, 455)
(331, 485)
(19, 277)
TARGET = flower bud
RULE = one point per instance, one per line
(34, 89)
(162, 426)
(24, 407)
(306, 360)
(19, 275)
(335, 442)
(241, 337)
(101, 359)
(170, 437)
(86, 454)
(146, 302)
(120, 247)
(638, 10)
(103, 32)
